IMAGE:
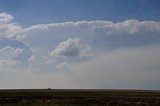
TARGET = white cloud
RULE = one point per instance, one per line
(129, 26)
(71, 48)
(4, 17)
(32, 61)
(64, 66)
(7, 64)
(9, 30)
(48, 60)
(67, 25)
(10, 52)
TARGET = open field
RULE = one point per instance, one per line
(54, 97)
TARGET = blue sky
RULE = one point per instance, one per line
(80, 44)
(47, 11)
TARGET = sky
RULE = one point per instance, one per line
(80, 44)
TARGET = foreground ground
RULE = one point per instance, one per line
(56, 97)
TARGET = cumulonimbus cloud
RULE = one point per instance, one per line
(97, 33)
(60, 39)
(134, 66)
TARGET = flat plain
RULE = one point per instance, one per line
(79, 97)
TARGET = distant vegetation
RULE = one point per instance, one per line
(55, 97)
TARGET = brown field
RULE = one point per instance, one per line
(79, 97)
